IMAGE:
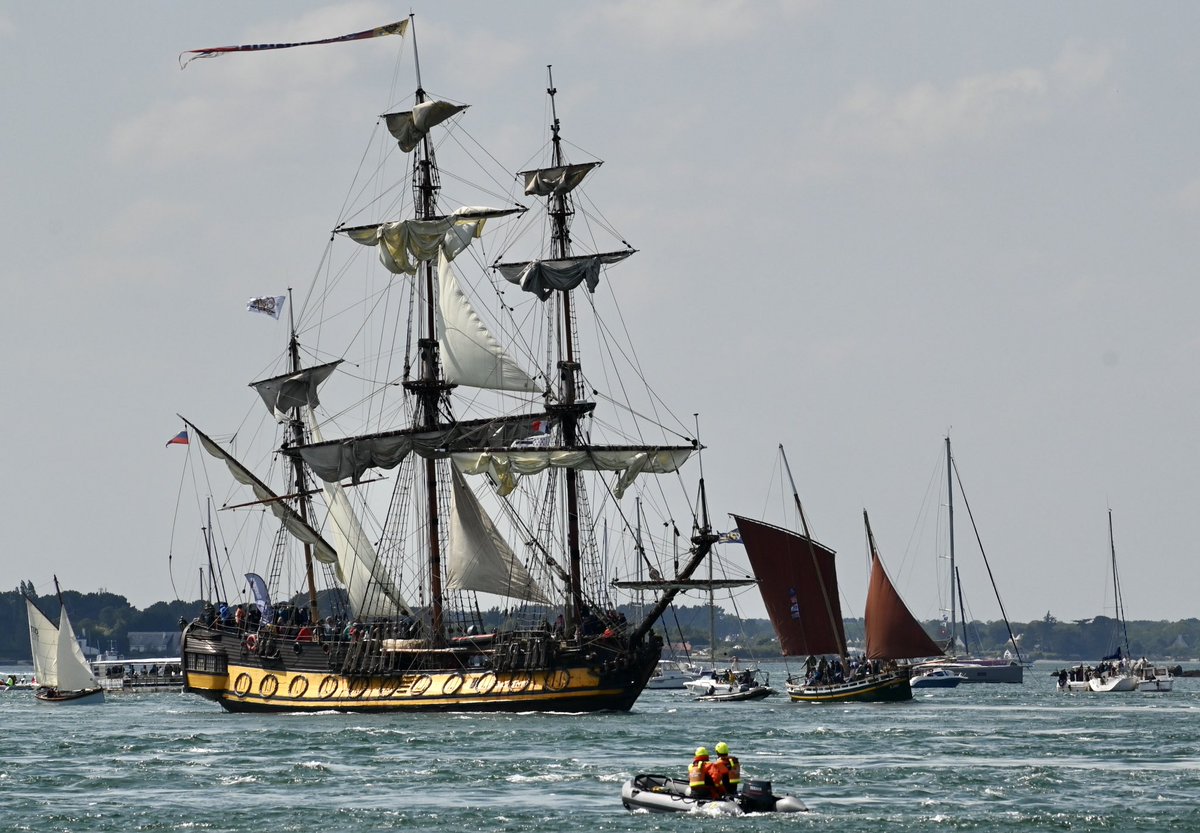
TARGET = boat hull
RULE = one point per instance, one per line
(757, 692)
(661, 794)
(880, 688)
(980, 671)
(311, 677)
(87, 696)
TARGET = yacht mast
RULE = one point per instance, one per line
(953, 569)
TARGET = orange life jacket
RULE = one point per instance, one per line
(735, 769)
(697, 771)
(717, 770)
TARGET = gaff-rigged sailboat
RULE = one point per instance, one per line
(59, 666)
(486, 388)
(798, 581)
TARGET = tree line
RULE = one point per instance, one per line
(106, 619)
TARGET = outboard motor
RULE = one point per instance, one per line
(757, 797)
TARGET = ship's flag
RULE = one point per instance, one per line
(731, 537)
(179, 439)
(397, 28)
(271, 305)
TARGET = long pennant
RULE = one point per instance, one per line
(397, 28)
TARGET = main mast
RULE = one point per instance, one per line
(953, 571)
(429, 388)
(570, 408)
(299, 472)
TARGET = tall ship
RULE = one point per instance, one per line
(444, 538)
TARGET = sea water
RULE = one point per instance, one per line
(979, 758)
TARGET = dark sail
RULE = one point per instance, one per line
(892, 631)
(798, 582)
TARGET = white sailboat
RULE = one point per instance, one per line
(62, 671)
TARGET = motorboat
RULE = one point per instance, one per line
(730, 685)
(936, 678)
(1152, 678)
(977, 670)
(662, 794)
(670, 674)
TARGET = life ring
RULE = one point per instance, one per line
(268, 685)
(452, 684)
(421, 684)
(241, 685)
(484, 683)
(251, 642)
(558, 680)
(328, 687)
(519, 682)
(298, 687)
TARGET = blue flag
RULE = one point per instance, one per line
(261, 597)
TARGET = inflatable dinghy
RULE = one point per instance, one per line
(660, 794)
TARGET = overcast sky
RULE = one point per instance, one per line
(861, 226)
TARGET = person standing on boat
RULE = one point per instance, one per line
(731, 766)
(699, 780)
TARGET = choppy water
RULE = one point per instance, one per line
(978, 758)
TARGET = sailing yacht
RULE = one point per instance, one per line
(467, 463)
(972, 669)
(62, 672)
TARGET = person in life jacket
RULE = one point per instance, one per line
(733, 767)
(699, 781)
(717, 776)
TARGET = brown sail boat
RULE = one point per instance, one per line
(798, 581)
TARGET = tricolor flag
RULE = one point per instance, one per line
(540, 426)
(272, 305)
(179, 439)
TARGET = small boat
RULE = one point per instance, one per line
(18, 682)
(145, 675)
(935, 678)
(668, 675)
(730, 685)
(1151, 677)
(62, 672)
(976, 670)
(661, 794)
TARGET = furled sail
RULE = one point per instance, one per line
(43, 641)
(73, 671)
(291, 519)
(410, 127)
(506, 465)
(369, 586)
(351, 457)
(892, 631)
(797, 578)
(293, 390)
(545, 182)
(543, 277)
(479, 558)
(470, 354)
(405, 243)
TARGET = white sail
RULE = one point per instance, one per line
(43, 641)
(507, 466)
(410, 127)
(470, 354)
(292, 390)
(560, 180)
(292, 521)
(406, 243)
(73, 671)
(369, 587)
(479, 558)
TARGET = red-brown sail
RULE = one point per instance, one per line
(798, 582)
(892, 631)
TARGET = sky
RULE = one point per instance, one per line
(861, 227)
